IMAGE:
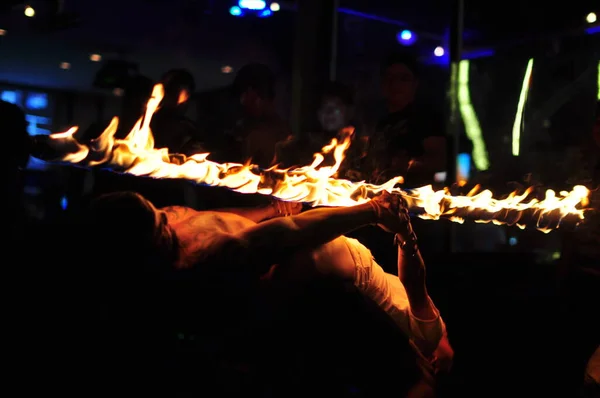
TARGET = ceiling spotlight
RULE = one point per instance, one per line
(252, 4)
(591, 17)
(275, 7)
(236, 11)
(29, 11)
(439, 51)
(2, 32)
(65, 65)
(95, 57)
(226, 69)
(406, 37)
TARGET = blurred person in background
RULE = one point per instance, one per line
(259, 128)
(335, 113)
(170, 126)
(14, 159)
(136, 94)
(579, 277)
(410, 139)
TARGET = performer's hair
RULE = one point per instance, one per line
(122, 236)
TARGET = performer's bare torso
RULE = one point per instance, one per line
(199, 231)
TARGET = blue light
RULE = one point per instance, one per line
(10, 96)
(236, 11)
(512, 241)
(64, 203)
(265, 13)
(406, 37)
(593, 30)
(478, 54)
(253, 4)
(463, 167)
(37, 101)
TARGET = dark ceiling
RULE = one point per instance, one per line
(201, 34)
(487, 22)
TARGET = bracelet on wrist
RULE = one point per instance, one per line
(408, 246)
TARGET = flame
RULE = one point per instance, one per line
(315, 184)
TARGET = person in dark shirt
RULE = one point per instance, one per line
(170, 126)
(259, 129)
(410, 140)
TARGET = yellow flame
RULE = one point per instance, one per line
(315, 184)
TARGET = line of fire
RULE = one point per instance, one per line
(302, 197)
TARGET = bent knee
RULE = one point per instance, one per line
(335, 259)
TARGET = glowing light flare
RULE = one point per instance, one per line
(439, 51)
(471, 122)
(275, 7)
(236, 11)
(598, 82)
(315, 184)
(29, 11)
(406, 37)
(252, 4)
(591, 17)
(518, 124)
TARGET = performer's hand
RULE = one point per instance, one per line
(282, 208)
(392, 213)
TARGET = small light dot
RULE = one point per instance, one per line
(95, 57)
(439, 51)
(65, 65)
(2, 32)
(226, 69)
(118, 92)
(29, 12)
(591, 17)
(275, 7)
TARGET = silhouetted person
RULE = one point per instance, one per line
(579, 279)
(170, 126)
(410, 140)
(133, 105)
(14, 158)
(259, 128)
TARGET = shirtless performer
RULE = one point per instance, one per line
(188, 239)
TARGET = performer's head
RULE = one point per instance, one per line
(254, 86)
(127, 231)
(399, 79)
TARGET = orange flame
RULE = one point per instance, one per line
(315, 184)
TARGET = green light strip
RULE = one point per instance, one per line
(472, 126)
(516, 131)
(598, 96)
